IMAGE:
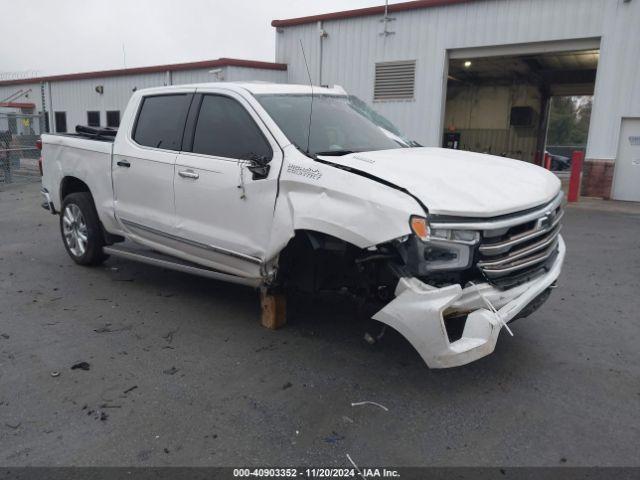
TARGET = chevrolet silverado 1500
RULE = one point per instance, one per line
(287, 186)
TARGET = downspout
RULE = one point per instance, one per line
(323, 34)
(52, 124)
(320, 54)
(45, 118)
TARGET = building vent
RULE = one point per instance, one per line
(395, 80)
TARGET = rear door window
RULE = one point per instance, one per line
(161, 120)
(225, 129)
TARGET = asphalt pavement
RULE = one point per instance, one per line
(180, 372)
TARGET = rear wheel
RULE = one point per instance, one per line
(81, 231)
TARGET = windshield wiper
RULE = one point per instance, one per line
(334, 153)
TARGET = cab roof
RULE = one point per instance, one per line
(256, 88)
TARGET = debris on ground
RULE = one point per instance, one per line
(371, 340)
(287, 385)
(14, 426)
(355, 466)
(55, 373)
(366, 402)
(169, 335)
(97, 414)
(5, 336)
(170, 371)
(108, 329)
(81, 366)
(130, 389)
(334, 438)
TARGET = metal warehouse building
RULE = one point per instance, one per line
(470, 74)
(485, 70)
(98, 98)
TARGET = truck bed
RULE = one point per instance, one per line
(83, 157)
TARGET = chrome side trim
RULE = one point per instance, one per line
(193, 243)
(501, 223)
(203, 272)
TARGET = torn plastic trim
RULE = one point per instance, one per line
(417, 314)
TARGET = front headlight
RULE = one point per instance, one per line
(442, 249)
(463, 236)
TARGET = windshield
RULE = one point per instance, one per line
(339, 124)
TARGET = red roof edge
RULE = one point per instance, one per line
(362, 12)
(17, 105)
(220, 62)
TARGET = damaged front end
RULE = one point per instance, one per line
(460, 284)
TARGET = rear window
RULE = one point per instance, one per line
(161, 121)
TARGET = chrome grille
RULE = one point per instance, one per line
(517, 251)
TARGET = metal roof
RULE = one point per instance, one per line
(362, 12)
(25, 105)
(220, 62)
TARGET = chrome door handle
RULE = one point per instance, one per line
(188, 174)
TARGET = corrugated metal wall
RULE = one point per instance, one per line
(77, 97)
(353, 46)
(242, 74)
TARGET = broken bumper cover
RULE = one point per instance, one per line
(417, 313)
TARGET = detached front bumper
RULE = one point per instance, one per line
(417, 313)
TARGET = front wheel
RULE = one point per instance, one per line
(81, 230)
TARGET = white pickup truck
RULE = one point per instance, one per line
(297, 187)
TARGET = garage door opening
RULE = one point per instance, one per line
(567, 130)
(503, 105)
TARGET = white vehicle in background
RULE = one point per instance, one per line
(284, 187)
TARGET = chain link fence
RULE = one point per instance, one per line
(18, 153)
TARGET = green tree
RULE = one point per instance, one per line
(569, 120)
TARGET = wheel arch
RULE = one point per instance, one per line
(70, 184)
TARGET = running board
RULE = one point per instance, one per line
(150, 257)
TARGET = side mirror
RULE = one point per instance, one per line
(259, 166)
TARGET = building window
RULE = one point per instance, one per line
(93, 119)
(113, 118)
(395, 80)
(61, 122)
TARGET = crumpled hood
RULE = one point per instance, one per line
(454, 182)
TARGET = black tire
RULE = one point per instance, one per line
(82, 229)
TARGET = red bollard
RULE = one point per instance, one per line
(577, 158)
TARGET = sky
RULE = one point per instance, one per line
(48, 37)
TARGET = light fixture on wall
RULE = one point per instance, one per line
(100, 89)
(467, 64)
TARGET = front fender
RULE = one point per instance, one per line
(359, 210)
